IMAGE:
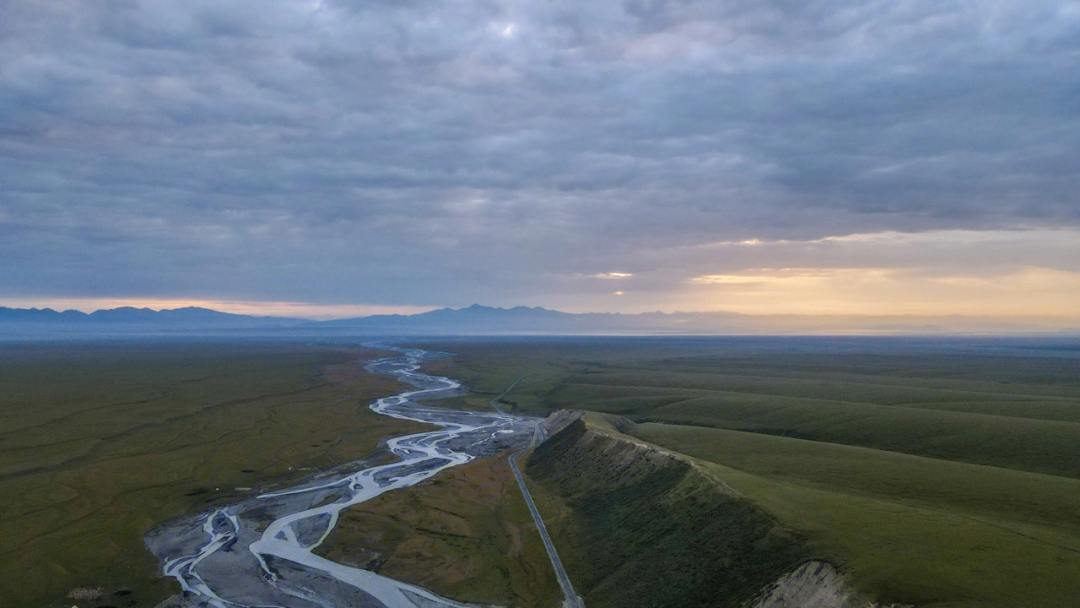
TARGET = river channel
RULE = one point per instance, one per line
(258, 551)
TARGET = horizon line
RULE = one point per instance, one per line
(340, 312)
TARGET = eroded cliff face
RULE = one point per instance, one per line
(815, 584)
(649, 528)
(812, 585)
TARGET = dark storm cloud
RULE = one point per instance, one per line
(445, 152)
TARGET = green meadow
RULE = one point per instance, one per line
(936, 472)
(99, 442)
(908, 528)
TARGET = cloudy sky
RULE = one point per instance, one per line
(342, 157)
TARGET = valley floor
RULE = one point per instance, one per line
(937, 473)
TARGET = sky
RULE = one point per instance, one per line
(345, 157)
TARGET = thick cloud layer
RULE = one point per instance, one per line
(432, 153)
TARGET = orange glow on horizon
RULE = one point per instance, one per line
(1029, 292)
(243, 307)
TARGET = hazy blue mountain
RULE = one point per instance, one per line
(127, 316)
(478, 319)
(39, 315)
(486, 320)
(474, 319)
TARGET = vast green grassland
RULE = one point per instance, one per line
(939, 472)
(100, 442)
(933, 471)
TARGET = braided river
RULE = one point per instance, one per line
(258, 551)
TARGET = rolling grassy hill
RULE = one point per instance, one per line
(939, 472)
(908, 528)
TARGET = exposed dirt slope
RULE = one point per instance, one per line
(812, 585)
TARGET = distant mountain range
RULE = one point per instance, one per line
(127, 316)
(478, 319)
(485, 320)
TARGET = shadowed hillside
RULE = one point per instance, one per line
(648, 529)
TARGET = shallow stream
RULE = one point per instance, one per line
(258, 552)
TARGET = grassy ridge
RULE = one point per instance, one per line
(1047, 446)
(908, 528)
(942, 473)
(100, 442)
(649, 530)
(972, 489)
(1012, 404)
(1042, 402)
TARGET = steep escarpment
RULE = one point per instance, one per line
(812, 585)
(648, 528)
